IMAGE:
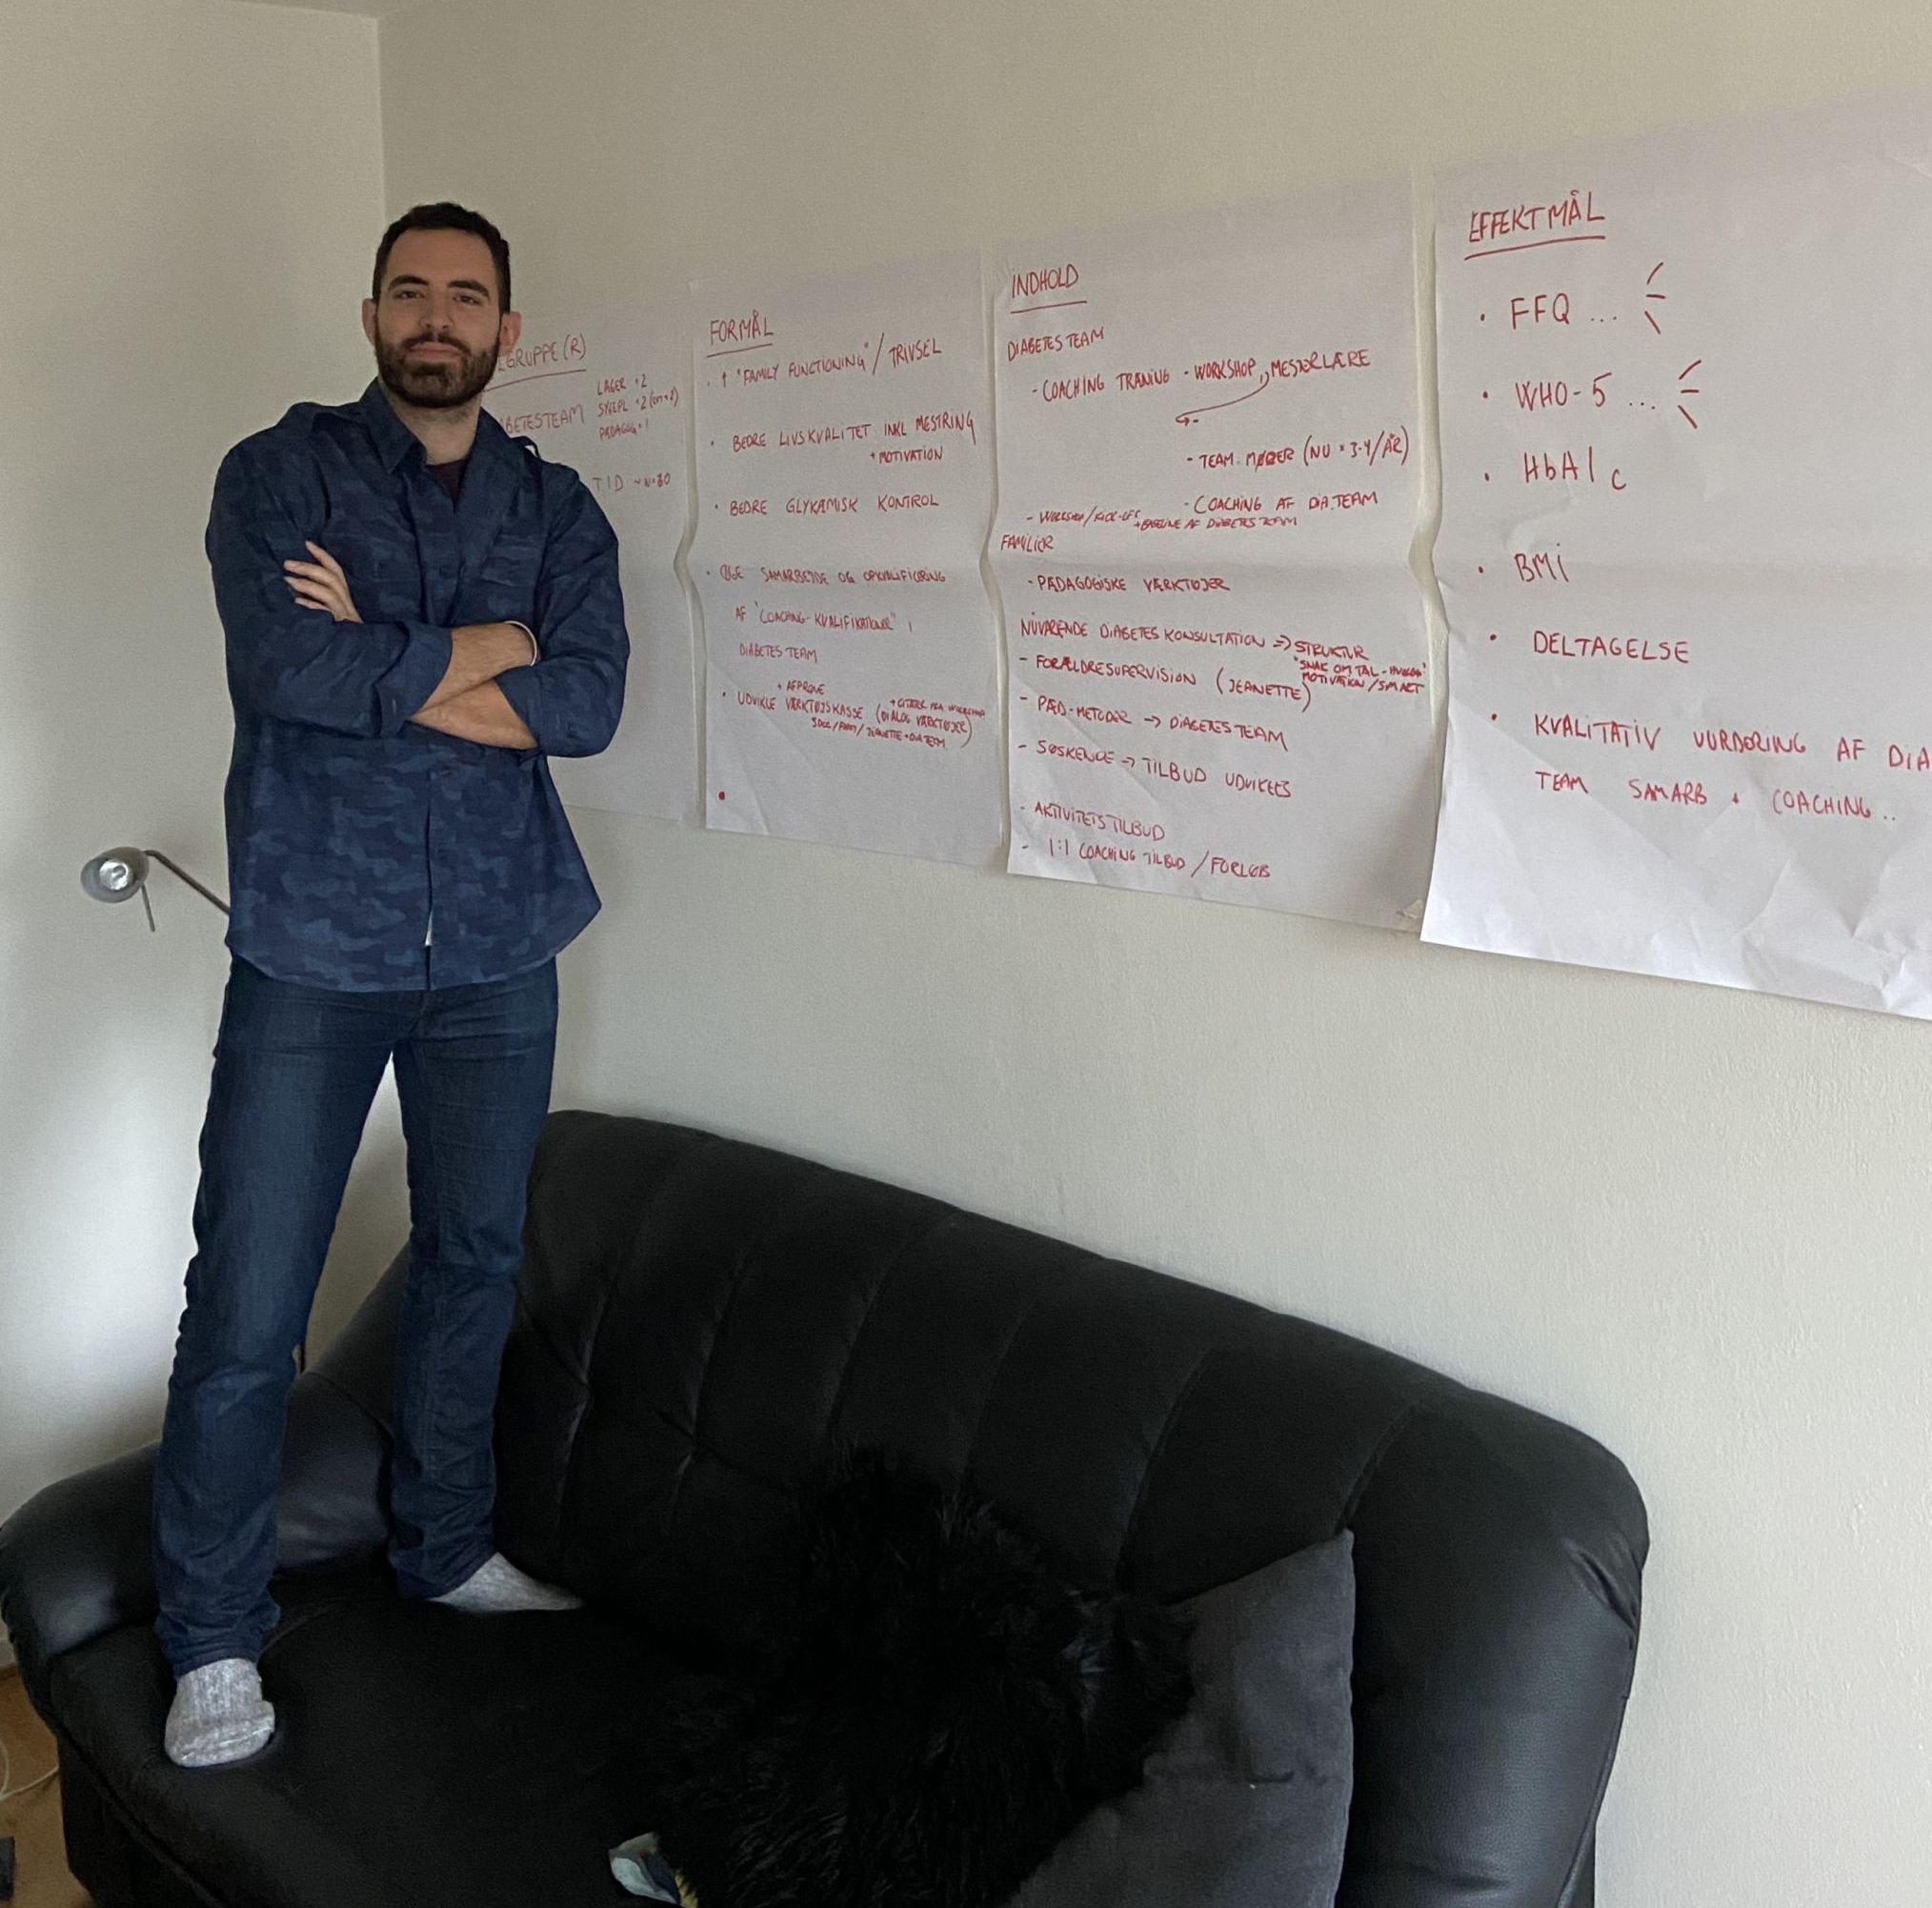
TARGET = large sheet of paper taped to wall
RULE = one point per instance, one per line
(1209, 475)
(1686, 553)
(608, 392)
(844, 495)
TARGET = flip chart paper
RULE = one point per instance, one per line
(1686, 555)
(608, 392)
(845, 493)
(1208, 491)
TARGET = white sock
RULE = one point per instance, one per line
(218, 1715)
(497, 1584)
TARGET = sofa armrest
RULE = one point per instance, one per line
(74, 1562)
(76, 1559)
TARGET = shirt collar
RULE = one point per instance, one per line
(393, 439)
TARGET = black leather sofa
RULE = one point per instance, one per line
(699, 1319)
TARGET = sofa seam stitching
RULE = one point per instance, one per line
(1055, 1281)
(1359, 1490)
(1174, 1409)
(610, 1291)
(343, 1392)
(893, 1265)
(739, 1274)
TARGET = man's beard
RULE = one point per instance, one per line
(435, 384)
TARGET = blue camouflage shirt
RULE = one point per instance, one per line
(366, 850)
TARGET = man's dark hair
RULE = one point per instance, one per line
(446, 216)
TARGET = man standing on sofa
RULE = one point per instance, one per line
(418, 611)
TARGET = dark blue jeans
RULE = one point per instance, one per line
(296, 1069)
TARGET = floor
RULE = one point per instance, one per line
(33, 1818)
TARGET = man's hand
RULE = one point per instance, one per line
(321, 585)
(479, 714)
(480, 653)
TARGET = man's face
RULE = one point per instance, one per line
(436, 328)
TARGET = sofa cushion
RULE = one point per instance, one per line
(423, 1756)
(1245, 1803)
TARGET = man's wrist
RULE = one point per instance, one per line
(535, 654)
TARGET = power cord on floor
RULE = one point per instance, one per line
(7, 1792)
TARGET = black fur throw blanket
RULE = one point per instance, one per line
(931, 1710)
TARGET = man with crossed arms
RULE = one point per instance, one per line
(418, 608)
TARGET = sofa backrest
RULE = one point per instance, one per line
(702, 1320)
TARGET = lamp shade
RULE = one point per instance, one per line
(117, 875)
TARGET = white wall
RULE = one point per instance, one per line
(1689, 1220)
(191, 196)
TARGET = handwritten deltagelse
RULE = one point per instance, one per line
(1209, 478)
(607, 392)
(845, 494)
(1685, 557)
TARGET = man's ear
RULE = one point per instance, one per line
(510, 331)
(369, 319)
